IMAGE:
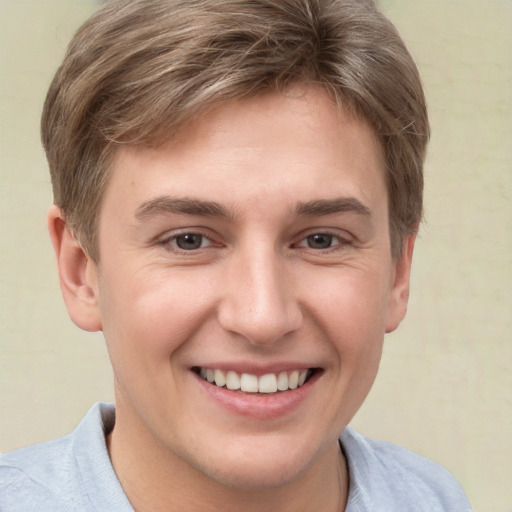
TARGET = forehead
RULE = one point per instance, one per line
(299, 142)
(276, 119)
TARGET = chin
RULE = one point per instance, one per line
(259, 468)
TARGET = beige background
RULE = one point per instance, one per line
(445, 388)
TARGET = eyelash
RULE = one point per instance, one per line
(171, 242)
(339, 242)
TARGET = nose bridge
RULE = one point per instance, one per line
(260, 303)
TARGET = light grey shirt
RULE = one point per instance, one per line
(74, 474)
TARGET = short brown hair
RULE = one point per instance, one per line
(137, 70)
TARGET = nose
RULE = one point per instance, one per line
(259, 302)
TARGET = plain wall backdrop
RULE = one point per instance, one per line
(445, 386)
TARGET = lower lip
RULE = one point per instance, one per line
(259, 405)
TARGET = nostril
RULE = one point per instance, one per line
(260, 328)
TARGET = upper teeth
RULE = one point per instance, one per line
(249, 383)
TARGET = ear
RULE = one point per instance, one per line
(399, 294)
(77, 274)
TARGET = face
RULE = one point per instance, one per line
(252, 249)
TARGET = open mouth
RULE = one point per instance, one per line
(250, 383)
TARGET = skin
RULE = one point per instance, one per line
(258, 294)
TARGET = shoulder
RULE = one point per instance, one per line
(384, 473)
(37, 477)
(69, 474)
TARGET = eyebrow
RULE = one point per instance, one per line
(327, 206)
(181, 205)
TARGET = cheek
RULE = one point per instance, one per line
(352, 304)
(352, 311)
(148, 317)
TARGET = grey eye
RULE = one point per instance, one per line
(189, 241)
(319, 241)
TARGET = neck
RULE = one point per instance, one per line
(155, 479)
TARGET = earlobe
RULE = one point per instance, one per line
(399, 295)
(77, 274)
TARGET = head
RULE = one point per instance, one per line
(243, 180)
(137, 72)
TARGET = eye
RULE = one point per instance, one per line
(190, 241)
(320, 241)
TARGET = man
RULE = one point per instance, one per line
(238, 187)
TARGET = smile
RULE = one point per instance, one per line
(250, 383)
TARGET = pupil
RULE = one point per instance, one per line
(320, 241)
(189, 241)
